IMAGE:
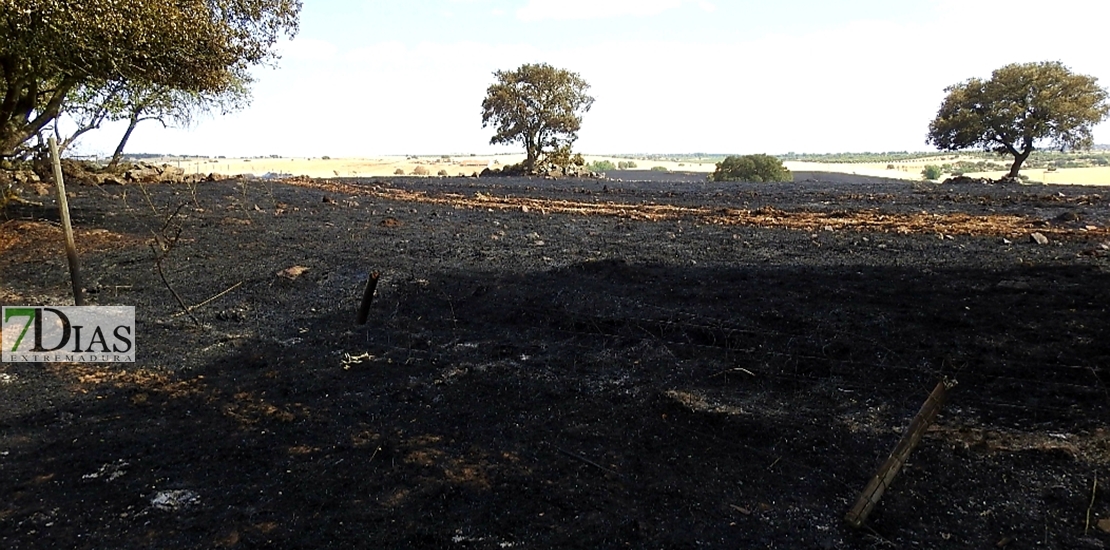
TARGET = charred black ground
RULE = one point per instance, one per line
(685, 365)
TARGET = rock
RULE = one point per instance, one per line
(1038, 238)
(109, 179)
(142, 173)
(25, 176)
(1104, 525)
(292, 272)
(171, 174)
(961, 180)
(170, 501)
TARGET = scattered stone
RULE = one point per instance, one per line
(171, 501)
(391, 222)
(328, 200)
(963, 180)
(25, 177)
(1038, 238)
(109, 472)
(292, 273)
(1007, 241)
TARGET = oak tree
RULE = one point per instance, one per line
(1020, 108)
(538, 106)
(751, 168)
(173, 106)
(49, 48)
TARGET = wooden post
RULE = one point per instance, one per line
(367, 297)
(889, 470)
(67, 228)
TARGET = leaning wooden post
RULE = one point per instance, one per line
(367, 297)
(63, 209)
(889, 470)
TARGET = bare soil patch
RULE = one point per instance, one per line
(566, 364)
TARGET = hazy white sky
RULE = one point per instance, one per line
(380, 77)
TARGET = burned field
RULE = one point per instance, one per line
(565, 364)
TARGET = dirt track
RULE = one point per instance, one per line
(567, 364)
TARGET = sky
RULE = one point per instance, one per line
(367, 78)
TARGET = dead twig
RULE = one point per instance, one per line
(585, 460)
(210, 300)
(150, 202)
(1094, 490)
(735, 369)
(162, 245)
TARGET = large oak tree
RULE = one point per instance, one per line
(1020, 108)
(49, 48)
(538, 106)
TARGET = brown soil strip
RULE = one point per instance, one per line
(29, 240)
(803, 220)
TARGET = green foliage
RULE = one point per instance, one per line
(601, 166)
(560, 157)
(399, 172)
(626, 165)
(420, 171)
(538, 106)
(577, 160)
(442, 173)
(659, 169)
(49, 49)
(865, 157)
(753, 168)
(931, 172)
(1020, 108)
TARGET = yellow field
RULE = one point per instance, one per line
(465, 165)
(1063, 176)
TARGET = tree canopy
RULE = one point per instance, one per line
(49, 48)
(538, 106)
(1021, 107)
(753, 168)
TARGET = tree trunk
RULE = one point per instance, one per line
(530, 160)
(116, 156)
(1018, 160)
(17, 128)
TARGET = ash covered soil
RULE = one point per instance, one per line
(586, 364)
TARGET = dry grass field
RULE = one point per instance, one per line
(466, 165)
